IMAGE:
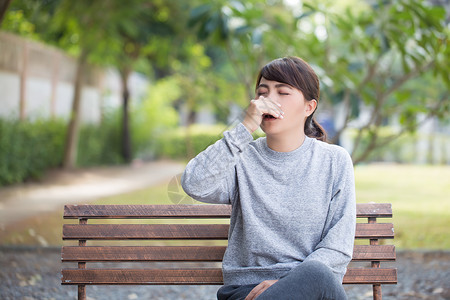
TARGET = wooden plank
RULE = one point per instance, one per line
(146, 211)
(190, 253)
(370, 276)
(369, 253)
(374, 231)
(187, 231)
(145, 231)
(363, 210)
(377, 210)
(142, 253)
(211, 276)
(197, 276)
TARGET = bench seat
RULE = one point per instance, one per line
(206, 256)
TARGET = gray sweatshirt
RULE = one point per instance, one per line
(287, 207)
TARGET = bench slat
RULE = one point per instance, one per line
(374, 210)
(146, 211)
(370, 276)
(363, 210)
(374, 252)
(374, 231)
(187, 231)
(143, 253)
(190, 253)
(145, 231)
(211, 276)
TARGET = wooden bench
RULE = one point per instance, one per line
(210, 255)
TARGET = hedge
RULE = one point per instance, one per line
(27, 149)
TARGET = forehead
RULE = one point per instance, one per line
(272, 84)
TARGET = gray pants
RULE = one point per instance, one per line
(311, 280)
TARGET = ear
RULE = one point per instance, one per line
(310, 107)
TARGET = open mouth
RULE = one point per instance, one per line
(268, 117)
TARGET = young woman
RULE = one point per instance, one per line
(292, 195)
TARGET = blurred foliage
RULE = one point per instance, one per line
(100, 143)
(154, 115)
(388, 59)
(172, 143)
(27, 149)
(404, 149)
(365, 57)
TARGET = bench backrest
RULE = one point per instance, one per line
(169, 229)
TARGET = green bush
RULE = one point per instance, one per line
(101, 144)
(27, 148)
(152, 116)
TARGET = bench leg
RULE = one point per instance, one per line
(81, 292)
(377, 292)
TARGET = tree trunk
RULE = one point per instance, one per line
(3, 8)
(126, 138)
(71, 149)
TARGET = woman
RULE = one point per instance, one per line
(292, 195)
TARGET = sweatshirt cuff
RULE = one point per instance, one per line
(239, 136)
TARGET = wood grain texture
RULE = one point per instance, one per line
(197, 276)
(142, 253)
(376, 210)
(374, 231)
(370, 276)
(145, 231)
(190, 253)
(142, 276)
(363, 210)
(188, 231)
(369, 253)
(146, 211)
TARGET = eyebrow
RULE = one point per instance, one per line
(278, 85)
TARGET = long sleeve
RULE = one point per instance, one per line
(336, 246)
(211, 176)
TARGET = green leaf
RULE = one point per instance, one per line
(199, 14)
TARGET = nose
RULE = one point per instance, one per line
(273, 95)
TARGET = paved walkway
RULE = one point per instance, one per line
(59, 187)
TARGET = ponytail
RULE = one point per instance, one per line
(314, 130)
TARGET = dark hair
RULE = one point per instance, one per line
(298, 74)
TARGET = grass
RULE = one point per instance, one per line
(420, 197)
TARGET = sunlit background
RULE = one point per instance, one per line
(89, 88)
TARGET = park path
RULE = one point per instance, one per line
(59, 187)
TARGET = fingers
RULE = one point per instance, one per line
(259, 107)
(269, 106)
(259, 289)
(262, 106)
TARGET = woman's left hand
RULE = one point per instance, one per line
(259, 289)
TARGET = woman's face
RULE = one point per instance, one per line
(296, 109)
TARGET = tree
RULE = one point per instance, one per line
(84, 28)
(367, 59)
(3, 8)
(142, 23)
(364, 57)
(243, 30)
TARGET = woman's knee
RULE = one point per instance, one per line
(314, 271)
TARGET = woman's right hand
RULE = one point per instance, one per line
(256, 110)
